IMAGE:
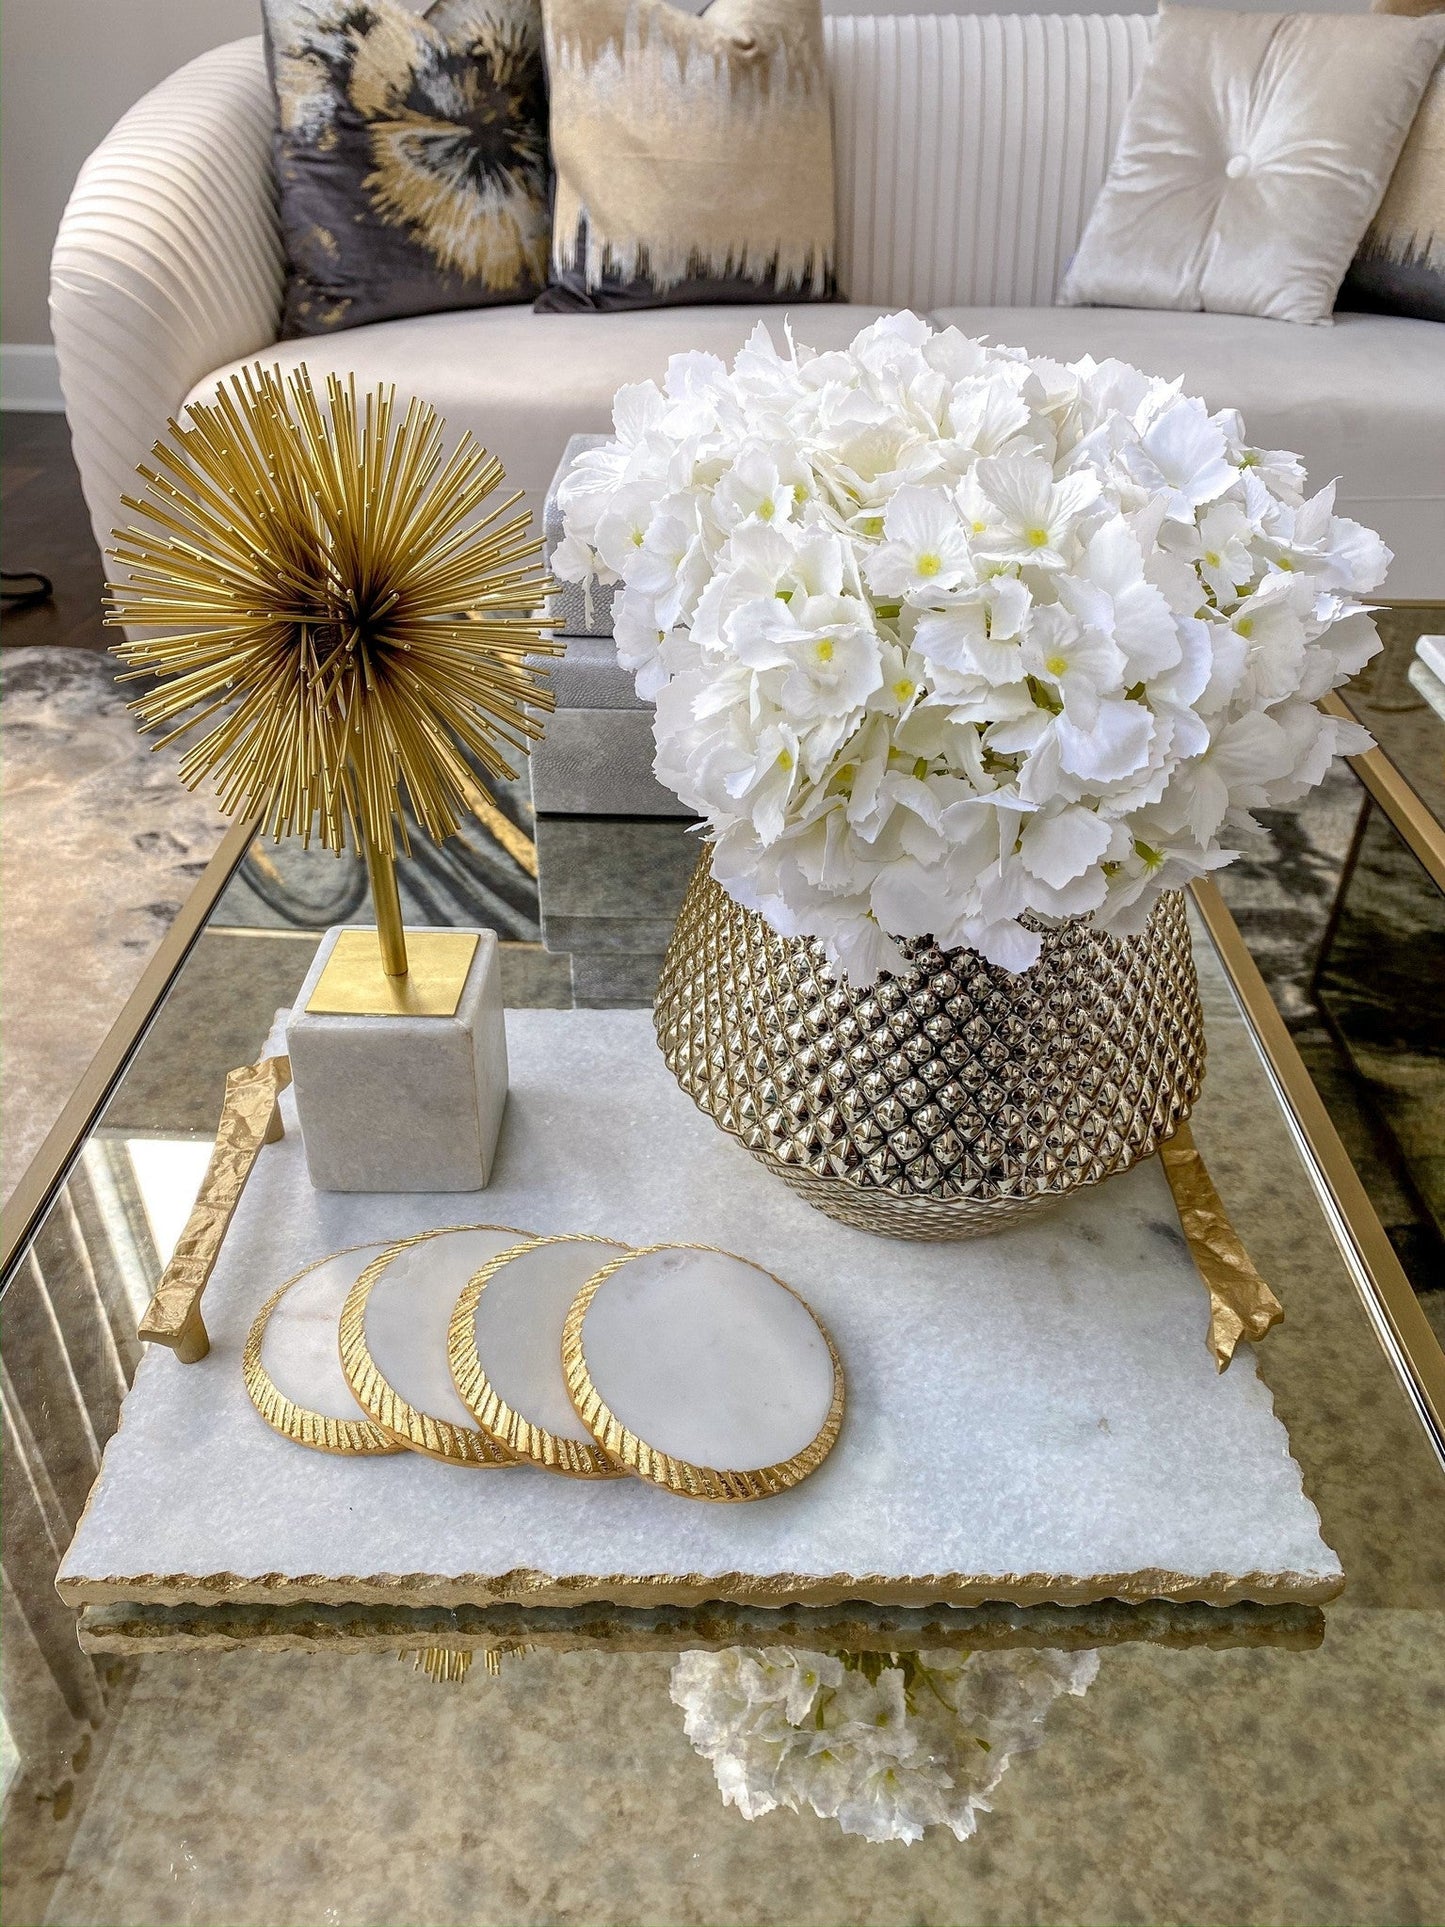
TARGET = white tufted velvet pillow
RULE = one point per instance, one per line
(1251, 160)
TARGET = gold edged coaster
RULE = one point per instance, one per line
(356, 1437)
(689, 1479)
(426, 1432)
(528, 1439)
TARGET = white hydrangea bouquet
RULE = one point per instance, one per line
(950, 640)
(887, 1747)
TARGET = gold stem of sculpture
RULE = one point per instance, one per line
(386, 902)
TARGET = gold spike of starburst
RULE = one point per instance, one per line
(328, 588)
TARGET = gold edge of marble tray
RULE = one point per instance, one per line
(696, 1589)
(137, 1629)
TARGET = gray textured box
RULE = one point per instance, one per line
(615, 981)
(598, 762)
(614, 867)
(589, 676)
(609, 886)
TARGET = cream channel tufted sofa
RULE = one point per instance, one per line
(969, 152)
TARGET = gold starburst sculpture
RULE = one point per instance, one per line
(320, 583)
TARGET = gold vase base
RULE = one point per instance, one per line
(353, 984)
(925, 1220)
(947, 1102)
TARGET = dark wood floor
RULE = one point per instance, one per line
(44, 525)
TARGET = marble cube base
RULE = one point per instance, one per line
(400, 1103)
(1030, 1417)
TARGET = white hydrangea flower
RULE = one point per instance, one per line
(946, 640)
(887, 1746)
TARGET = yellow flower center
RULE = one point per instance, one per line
(1211, 556)
(1245, 626)
(638, 537)
(1057, 665)
(1038, 538)
(785, 759)
(823, 650)
(929, 563)
(904, 690)
(765, 510)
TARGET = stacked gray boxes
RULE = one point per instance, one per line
(613, 849)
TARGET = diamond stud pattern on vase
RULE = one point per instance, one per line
(947, 1102)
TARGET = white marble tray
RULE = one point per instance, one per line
(1030, 1417)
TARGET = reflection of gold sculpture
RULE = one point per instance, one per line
(323, 566)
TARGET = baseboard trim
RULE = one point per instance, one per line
(30, 378)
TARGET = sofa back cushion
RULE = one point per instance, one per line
(970, 149)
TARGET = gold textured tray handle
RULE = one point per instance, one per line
(1241, 1304)
(250, 1117)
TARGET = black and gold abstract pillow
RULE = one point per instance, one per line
(411, 152)
(1399, 267)
(693, 156)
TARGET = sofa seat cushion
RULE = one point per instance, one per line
(1363, 401)
(524, 383)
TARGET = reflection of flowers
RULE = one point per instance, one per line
(885, 1745)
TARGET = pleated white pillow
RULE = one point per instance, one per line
(1251, 160)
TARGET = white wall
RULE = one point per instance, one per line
(70, 68)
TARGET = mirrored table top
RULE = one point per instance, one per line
(364, 1765)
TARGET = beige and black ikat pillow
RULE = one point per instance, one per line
(693, 155)
(411, 152)
(1399, 267)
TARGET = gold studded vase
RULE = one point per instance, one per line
(947, 1102)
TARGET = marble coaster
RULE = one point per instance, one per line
(703, 1372)
(505, 1349)
(394, 1341)
(291, 1365)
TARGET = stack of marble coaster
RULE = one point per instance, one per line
(483, 1346)
(613, 853)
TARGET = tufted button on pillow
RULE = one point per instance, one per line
(1236, 165)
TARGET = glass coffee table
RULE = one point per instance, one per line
(225, 1764)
